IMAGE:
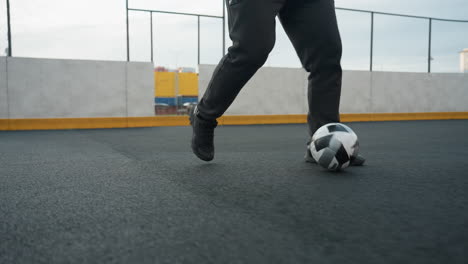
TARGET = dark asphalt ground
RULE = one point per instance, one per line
(140, 196)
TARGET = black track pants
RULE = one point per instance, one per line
(312, 28)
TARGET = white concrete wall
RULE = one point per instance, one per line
(283, 91)
(419, 92)
(356, 92)
(140, 89)
(3, 89)
(49, 88)
(275, 91)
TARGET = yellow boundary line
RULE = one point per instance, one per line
(154, 121)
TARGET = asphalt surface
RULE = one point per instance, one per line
(140, 196)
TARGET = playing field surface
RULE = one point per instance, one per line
(140, 196)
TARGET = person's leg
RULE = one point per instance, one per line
(252, 30)
(312, 28)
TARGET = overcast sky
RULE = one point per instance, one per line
(95, 29)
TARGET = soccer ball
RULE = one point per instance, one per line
(333, 145)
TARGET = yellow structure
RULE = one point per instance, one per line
(172, 84)
(188, 84)
(164, 84)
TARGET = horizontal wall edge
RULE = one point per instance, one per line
(155, 121)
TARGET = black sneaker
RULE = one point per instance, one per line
(308, 156)
(355, 161)
(203, 134)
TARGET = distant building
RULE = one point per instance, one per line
(161, 69)
(464, 61)
(186, 69)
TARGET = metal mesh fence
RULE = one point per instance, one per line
(174, 39)
(448, 40)
(371, 40)
(393, 42)
(3, 29)
(400, 44)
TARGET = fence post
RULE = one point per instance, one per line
(224, 28)
(429, 47)
(128, 35)
(151, 29)
(198, 47)
(9, 29)
(372, 41)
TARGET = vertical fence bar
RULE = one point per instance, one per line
(372, 41)
(429, 55)
(224, 29)
(9, 29)
(128, 35)
(198, 47)
(151, 29)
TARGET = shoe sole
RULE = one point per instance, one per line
(198, 154)
(194, 150)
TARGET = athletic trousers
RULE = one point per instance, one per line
(311, 27)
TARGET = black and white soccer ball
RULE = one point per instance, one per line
(333, 145)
